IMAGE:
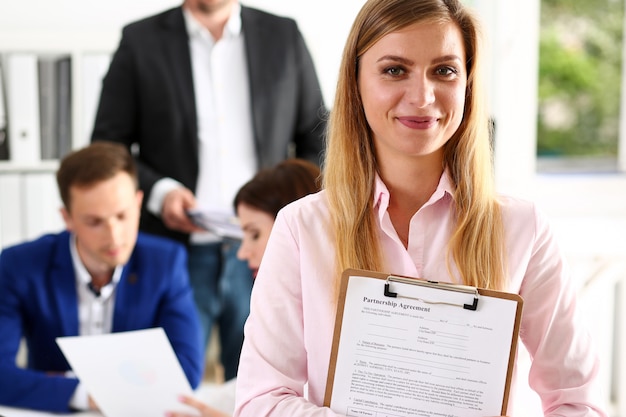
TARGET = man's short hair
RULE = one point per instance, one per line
(92, 164)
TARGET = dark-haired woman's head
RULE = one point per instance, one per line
(258, 202)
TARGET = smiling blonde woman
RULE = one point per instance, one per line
(408, 190)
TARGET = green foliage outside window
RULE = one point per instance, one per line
(579, 77)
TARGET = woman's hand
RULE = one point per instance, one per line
(204, 409)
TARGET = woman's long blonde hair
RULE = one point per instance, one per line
(477, 243)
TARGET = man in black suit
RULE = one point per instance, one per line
(205, 95)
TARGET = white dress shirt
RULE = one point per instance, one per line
(95, 313)
(226, 150)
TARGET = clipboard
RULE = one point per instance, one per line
(405, 346)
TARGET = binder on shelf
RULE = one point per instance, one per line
(46, 66)
(425, 347)
(94, 68)
(64, 105)
(55, 105)
(4, 143)
(22, 90)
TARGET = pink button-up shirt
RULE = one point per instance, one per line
(288, 335)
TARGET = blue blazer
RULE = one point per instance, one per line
(38, 302)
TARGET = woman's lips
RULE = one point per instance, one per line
(414, 122)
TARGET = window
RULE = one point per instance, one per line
(579, 86)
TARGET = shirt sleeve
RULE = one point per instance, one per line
(273, 364)
(20, 387)
(80, 399)
(565, 366)
(159, 191)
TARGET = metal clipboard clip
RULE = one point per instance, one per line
(433, 284)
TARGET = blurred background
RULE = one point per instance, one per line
(556, 96)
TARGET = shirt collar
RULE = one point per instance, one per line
(231, 30)
(82, 276)
(381, 192)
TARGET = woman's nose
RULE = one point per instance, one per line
(421, 91)
(242, 252)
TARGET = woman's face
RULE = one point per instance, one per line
(412, 83)
(256, 225)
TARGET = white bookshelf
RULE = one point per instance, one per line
(87, 32)
(79, 52)
(36, 198)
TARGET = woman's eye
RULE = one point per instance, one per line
(446, 71)
(394, 71)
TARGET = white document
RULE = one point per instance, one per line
(22, 90)
(128, 374)
(219, 396)
(421, 354)
(220, 223)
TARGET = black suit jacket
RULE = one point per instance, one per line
(148, 103)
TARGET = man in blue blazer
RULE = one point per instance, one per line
(206, 94)
(98, 277)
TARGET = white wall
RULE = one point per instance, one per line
(513, 34)
(324, 24)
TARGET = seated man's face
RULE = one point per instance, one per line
(105, 219)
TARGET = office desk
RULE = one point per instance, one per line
(20, 412)
(220, 396)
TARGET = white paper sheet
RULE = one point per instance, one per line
(222, 224)
(220, 396)
(128, 374)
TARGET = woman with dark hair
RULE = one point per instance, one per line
(259, 200)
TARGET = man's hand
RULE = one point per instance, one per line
(204, 409)
(92, 404)
(174, 210)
